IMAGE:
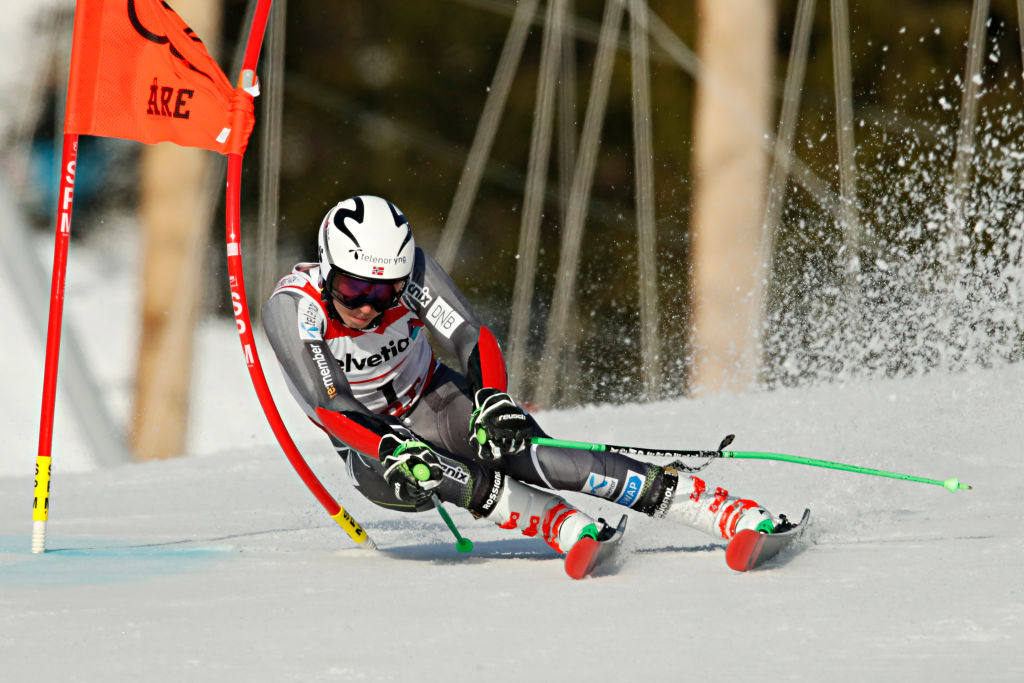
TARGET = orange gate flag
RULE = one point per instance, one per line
(139, 72)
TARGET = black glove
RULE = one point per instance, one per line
(411, 469)
(498, 426)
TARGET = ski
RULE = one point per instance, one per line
(750, 549)
(588, 553)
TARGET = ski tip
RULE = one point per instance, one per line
(749, 548)
(588, 552)
(578, 561)
(744, 549)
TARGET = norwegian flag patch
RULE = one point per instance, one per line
(378, 270)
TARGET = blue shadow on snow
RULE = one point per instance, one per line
(75, 562)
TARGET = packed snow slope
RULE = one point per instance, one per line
(225, 568)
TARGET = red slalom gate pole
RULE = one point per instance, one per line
(44, 461)
(244, 321)
(240, 307)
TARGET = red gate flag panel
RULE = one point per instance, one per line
(139, 72)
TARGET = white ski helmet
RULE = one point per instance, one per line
(366, 237)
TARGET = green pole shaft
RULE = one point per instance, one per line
(446, 517)
(462, 544)
(951, 484)
(563, 443)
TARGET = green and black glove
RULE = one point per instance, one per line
(498, 426)
(411, 469)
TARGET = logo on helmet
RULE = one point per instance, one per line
(359, 255)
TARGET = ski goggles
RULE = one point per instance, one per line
(354, 292)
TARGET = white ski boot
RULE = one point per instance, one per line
(713, 511)
(540, 513)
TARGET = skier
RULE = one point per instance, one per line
(349, 334)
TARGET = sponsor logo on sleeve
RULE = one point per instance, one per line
(309, 321)
(444, 318)
(600, 485)
(324, 369)
(632, 488)
(417, 294)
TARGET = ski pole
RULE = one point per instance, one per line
(952, 484)
(462, 544)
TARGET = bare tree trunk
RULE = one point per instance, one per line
(175, 222)
(730, 166)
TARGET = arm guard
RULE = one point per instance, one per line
(486, 366)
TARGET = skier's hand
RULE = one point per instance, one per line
(400, 458)
(498, 426)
